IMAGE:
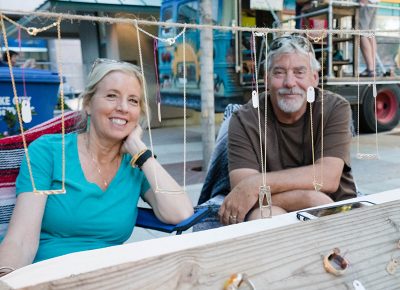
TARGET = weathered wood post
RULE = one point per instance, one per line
(207, 83)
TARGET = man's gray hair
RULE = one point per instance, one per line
(289, 45)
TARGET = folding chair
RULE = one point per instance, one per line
(12, 152)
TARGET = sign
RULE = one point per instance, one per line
(269, 5)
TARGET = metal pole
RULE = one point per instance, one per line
(207, 83)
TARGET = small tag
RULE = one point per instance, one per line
(374, 93)
(254, 98)
(310, 95)
(265, 201)
(317, 186)
(26, 111)
(392, 266)
(367, 156)
(159, 111)
(357, 285)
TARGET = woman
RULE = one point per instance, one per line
(99, 208)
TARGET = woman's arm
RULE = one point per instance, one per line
(170, 203)
(168, 200)
(20, 244)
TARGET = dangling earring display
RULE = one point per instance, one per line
(88, 123)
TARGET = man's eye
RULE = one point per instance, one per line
(300, 72)
(279, 72)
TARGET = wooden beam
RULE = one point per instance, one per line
(289, 257)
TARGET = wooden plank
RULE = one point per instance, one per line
(289, 257)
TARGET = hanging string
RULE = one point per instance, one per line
(318, 185)
(264, 194)
(253, 64)
(359, 155)
(158, 189)
(184, 109)
(158, 94)
(112, 20)
(17, 105)
(22, 68)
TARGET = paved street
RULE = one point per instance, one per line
(378, 175)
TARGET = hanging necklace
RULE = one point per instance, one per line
(33, 31)
(170, 41)
(264, 194)
(310, 99)
(366, 156)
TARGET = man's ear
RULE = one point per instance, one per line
(315, 79)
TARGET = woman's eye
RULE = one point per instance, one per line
(111, 96)
(134, 101)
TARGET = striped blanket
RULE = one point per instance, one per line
(11, 154)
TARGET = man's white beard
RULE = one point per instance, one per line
(291, 105)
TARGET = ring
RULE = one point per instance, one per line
(236, 280)
(233, 217)
(334, 263)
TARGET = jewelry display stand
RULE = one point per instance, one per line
(277, 253)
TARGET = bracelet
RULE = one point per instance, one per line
(136, 157)
(144, 157)
(3, 270)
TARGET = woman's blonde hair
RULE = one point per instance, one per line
(102, 67)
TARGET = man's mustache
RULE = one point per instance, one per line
(292, 91)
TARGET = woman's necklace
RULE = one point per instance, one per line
(105, 181)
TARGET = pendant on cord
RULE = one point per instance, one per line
(317, 186)
(265, 201)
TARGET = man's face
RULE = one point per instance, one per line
(288, 80)
(14, 59)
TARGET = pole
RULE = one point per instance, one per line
(207, 83)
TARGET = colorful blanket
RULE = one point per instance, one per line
(11, 154)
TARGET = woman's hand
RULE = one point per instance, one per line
(133, 143)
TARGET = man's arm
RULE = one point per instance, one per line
(292, 189)
(300, 178)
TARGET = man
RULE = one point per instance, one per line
(292, 70)
(368, 44)
(13, 56)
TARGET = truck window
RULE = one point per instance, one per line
(166, 16)
(187, 12)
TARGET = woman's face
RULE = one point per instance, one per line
(115, 106)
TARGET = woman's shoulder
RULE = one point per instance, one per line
(50, 140)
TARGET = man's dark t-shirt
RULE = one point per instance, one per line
(289, 145)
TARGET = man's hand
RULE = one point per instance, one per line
(239, 201)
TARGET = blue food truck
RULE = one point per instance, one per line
(234, 71)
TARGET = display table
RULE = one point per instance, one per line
(276, 253)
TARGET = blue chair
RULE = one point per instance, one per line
(146, 219)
